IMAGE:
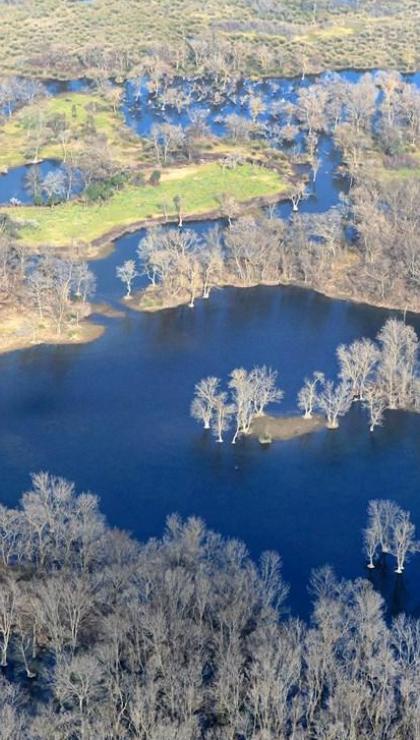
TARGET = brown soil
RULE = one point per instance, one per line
(22, 330)
(151, 300)
(103, 309)
(271, 428)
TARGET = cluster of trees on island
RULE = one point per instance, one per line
(185, 637)
(381, 374)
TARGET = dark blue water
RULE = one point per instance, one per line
(114, 417)
(13, 183)
(141, 110)
(57, 87)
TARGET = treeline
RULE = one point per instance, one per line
(16, 92)
(46, 289)
(267, 36)
(185, 637)
(380, 375)
(380, 265)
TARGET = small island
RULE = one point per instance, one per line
(270, 428)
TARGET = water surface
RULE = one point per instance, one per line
(114, 416)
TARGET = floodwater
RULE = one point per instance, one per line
(114, 417)
(14, 186)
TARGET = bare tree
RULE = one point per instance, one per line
(297, 194)
(399, 348)
(358, 362)
(307, 395)
(8, 602)
(127, 272)
(265, 391)
(334, 401)
(374, 402)
(403, 542)
(371, 544)
(222, 415)
(203, 405)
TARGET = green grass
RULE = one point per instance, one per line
(198, 186)
(14, 136)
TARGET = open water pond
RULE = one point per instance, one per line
(114, 417)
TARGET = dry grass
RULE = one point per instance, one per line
(282, 428)
(23, 329)
(62, 38)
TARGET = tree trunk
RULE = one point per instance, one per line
(3, 662)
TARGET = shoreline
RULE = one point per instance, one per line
(14, 336)
(104, 245)
(18, 333)
(135, 303)
(311, 71)
(108, 240)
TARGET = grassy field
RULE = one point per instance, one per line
(17, 132)
(199, 187)
(64, 38)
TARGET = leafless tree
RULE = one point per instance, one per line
(204, 402)
(371, 543)
(307, 395)
(297, 194)
(8, 602)
(375, 403)
(334, 401)
(399, 348)
(222, 414)
(127, 272)
(403, 542)
(358, 362)
(382, 515)
(265, 391)
(242, 390)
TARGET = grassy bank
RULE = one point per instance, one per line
(65, 39)
(199, 188)
(29, 127)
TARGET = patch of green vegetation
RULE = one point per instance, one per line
(199, 188)
(32, 127)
